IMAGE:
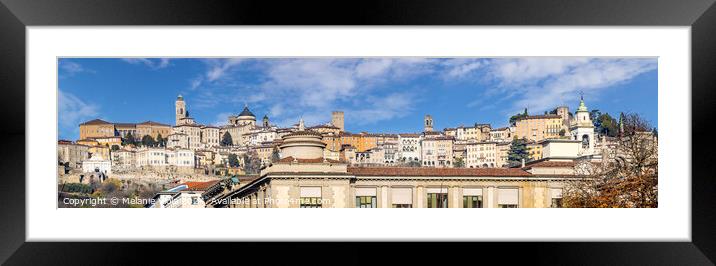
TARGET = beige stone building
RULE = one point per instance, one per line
(124, 159)
(98, 128)
(209, 136)
(333, 185)
(503, 134)
(72, 153)
(539, 127)
(481, 155)
(437, 152)
(338, 120)
(503, 150)
(193, 133)
(477, 132)
(178, 140)
(534, 149)
(305, 180)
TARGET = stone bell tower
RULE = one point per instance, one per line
(180, 107)
(428, 123)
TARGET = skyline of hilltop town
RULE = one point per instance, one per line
(358, 133)
(377, 95)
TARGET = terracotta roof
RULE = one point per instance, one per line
(549, 164)
(539, 117)
(125, 124)
(289, 159)
(426, 171)
(440, 138)
(96, 122)
(200, 186)
(152, 123)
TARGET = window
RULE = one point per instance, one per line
(472, 198)
(556, 197)
(508, 197)
(402, 197)
(310, 197)
(437, 198)
(194, 200)
(366, 198)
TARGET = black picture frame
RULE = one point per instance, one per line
(15, 15)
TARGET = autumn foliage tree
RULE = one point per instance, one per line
(628, 175)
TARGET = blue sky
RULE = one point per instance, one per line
(377, 94)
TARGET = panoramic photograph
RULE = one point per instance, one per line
(374, 132)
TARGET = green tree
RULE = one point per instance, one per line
(233, 160)
(252, 163)
(115, 147)
(129, 139)
(514, 118)
(226, 139)
(148, 141)
(459, 163)
(518, 151)
(161, 142)
(607, 125)
(275, 155)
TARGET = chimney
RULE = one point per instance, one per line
(523, 163)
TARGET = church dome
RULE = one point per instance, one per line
(246, 112)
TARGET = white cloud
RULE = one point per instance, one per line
(71, 68)
(151, 63)
(222, 119)
(73, 110)
(459, 68)
(315, 83)
(543, 83)
(219, 67)
(392, 106)
(369, 68)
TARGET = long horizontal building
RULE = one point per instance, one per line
(397, 187)
(98, 128)
(306, 180)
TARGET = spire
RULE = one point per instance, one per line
(582, 106)
(301, 127)
(180, 98)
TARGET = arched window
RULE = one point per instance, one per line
(585, 141)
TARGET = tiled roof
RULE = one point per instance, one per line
(200, 186)
(290, 159)
(440, 138)
(549, 164)
(125, 125)
(96, 122)
(539, 117)
(425, 171)
(152, 123)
